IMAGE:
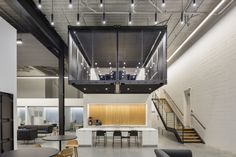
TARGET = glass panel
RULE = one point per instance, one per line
(21, 115)
(51, 115)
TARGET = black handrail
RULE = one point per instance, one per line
(173, 102)
(198, 121)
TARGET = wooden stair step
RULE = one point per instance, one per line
(192, 141)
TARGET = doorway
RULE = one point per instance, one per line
(187, 107)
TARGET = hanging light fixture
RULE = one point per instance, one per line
(70, 4)
(52, 17)
(78, 19)
(78, 16)
(182, 14)
(130, 18)
(39, 4)
(155, 22)
(103, 18)
(101, 4)
(132, 3)
(194, 3)
(182, 18)
(163, 3)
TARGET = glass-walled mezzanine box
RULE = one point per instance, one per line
(131, 59)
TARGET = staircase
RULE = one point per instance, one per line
(173, 124)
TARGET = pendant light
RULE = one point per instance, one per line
(70, 5)
(78, 16)
(52, 17)
(130, 18)
(39, 4)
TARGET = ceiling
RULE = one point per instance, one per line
(33, 59)
(117, 13)
(143, 14)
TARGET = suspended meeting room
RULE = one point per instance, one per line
(117, 59)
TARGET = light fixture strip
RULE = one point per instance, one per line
(198, 27)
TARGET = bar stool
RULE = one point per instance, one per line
(117, 133)
(73, 144)
(100, 133)
(134, 133)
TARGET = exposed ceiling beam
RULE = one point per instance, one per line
(37, 24)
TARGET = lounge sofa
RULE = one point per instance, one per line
(173, 153)
(27, 134)
(41, 129)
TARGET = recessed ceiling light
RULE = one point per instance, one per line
(19, 42)
(137, 67)
(128, 88)
(95, 63)
(139, 63)
(109, 63)
(106, 88)
(84, 89)
(124, 63)
(132, 3)
(149, 88)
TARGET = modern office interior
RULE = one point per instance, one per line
(117, 78)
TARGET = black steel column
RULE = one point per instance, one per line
(61, 95)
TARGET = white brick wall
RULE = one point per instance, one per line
(209, 69)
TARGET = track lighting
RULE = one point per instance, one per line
(101, 4)
(52, 20)
(194, 3)
(163, 3)
(130, 18)
(78, 19)
(104, 18)
(182, 18)
(132, 3)
(39, 4)
(155, 22)
(70, 4)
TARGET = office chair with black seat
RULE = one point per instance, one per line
(101, 133)
(134, 133)
(117, 133)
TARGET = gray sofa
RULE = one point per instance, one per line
(27, 134)
(173, 153)
(41, 129)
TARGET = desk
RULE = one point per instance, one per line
(31, 152)
(59, 138)
(149, 136)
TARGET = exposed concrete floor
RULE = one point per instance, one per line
(166, 141)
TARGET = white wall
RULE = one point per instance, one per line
(208, 68)
(8, 60)
(117, 99)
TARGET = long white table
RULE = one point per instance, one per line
(149, 136)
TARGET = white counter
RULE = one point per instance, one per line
(149, 136)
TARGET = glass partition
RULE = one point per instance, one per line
(117, 55)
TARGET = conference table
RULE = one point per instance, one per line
(149, 136)
(60, 138)
(31, 152)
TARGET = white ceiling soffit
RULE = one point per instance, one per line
(33, 53)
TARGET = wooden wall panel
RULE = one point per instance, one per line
(119, 114)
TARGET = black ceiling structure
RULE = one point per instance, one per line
(117, 47)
